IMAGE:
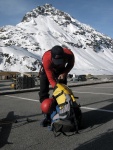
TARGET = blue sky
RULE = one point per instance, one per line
(96, 13)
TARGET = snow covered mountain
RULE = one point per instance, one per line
(22, 46)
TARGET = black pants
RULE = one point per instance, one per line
(44, 86)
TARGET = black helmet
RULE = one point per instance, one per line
(57, 54)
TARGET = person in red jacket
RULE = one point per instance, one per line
(56, 64)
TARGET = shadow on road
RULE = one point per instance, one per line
(102, 142)
(6, 129)
(6, 125)
(92, 120)
(95, 117)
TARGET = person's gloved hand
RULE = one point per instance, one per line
(62, 76)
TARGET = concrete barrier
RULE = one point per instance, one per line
(85, 83)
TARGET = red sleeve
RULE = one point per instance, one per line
(47, 64)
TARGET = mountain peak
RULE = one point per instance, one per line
(45, 10)
(39, 10)
(23, 45)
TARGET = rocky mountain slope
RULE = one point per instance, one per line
(22, 46)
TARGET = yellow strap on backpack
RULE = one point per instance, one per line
(59, 94)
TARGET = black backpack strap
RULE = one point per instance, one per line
(59, 94)
(75, 120)
(55, 131)
(58, 131)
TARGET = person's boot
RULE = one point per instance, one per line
(46, 121)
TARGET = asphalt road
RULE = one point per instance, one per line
(97, 123)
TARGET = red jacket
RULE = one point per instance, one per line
(52, 71)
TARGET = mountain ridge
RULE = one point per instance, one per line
(46, 26)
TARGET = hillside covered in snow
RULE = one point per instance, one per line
(22, 46)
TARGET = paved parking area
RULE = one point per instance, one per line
(97, 123)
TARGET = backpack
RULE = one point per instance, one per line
(66, 117)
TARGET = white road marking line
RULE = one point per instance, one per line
(89, 108)
(94, 93)
(23, 98)
(99, 87)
